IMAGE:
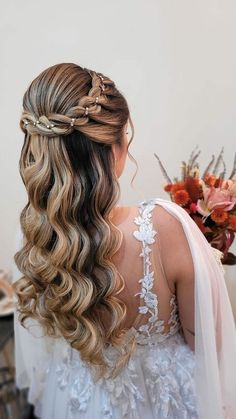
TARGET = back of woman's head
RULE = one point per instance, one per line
(71, 117)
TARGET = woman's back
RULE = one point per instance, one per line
(163, 378)
(153, 252)
(157, 380)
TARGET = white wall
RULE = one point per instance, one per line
(173, 59)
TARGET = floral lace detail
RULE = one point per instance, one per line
(123, 391)
(169, 370)
(146, 235)
(81, 385)
(120, 392)
(160, 376)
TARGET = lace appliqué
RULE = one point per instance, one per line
(166, 369)
(169, 370)
(81, 385)
(146, 235)
(123, 390)
(120, 392)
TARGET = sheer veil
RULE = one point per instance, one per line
(215, 333)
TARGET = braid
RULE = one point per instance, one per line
(88, 107)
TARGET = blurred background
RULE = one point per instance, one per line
(175, 63)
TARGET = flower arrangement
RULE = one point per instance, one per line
(210, 200)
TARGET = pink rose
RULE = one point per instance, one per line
(215, 198)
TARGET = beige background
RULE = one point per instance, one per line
(173, 59)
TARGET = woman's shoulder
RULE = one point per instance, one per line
(161, 213)
(161, 209)
(154, 204)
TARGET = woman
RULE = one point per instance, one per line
(125, 308)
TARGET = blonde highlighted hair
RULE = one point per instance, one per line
(70, 118)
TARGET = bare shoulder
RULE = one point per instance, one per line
(175, 249)
(165, 220)
(160, 216)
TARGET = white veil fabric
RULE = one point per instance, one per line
(215, 332)
(32, 348)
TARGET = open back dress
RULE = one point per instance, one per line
(159, 380)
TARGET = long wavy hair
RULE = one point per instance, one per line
(71, 117)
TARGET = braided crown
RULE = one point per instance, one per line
(58, 124)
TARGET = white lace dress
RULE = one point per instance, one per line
(158, 380)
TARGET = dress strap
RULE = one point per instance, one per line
(146, 234)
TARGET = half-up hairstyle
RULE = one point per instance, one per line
(71, 116)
